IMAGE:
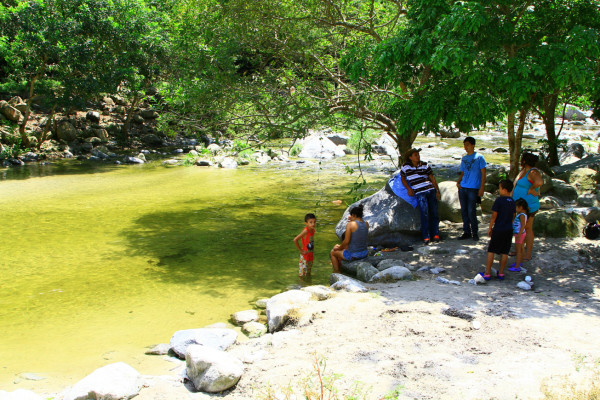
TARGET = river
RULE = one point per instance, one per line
(101, 261)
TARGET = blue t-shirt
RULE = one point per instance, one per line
(505, 207)
(471, 166)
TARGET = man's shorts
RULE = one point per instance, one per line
(355, 256)
(304, 266)
(520, 238)
(500, 242)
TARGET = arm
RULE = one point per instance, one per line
(350, 227)
(438, 195)
(460, 176)
(483, 176)
(522, 219)
(298, 238)
(492, 222)
(410, 191)
(536, 182)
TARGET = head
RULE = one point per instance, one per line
(310, 220)
(506, 186)
(413, 156)
(356, 212)
(469, 144)
(529, 160)
(522, 206)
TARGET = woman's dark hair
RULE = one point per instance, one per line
(529, 159)
(523, 204)
(357, 211)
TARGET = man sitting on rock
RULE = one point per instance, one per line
(419, 181)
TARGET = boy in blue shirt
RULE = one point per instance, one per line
(501, 229)
(471, 182)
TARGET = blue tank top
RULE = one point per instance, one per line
(521, 190)
(358, 240)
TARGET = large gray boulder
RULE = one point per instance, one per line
(217, 338)
(317, 145)
(573, 114)
(241, 317)
(365, 272)
(392, 221)
(66, 131)
(351, 268)
(11, 113)
(281, 305)
(563, 190)
(392, 274)
(449, 205)
(343, 282)
(212, 370)
(585, 180)
(389, 263)
(111, 382)
(558, 223)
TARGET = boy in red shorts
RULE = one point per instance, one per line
(305, 244)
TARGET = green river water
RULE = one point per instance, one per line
(100, 262)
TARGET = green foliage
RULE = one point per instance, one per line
(13, 146)
(362, 140)
(296, 149)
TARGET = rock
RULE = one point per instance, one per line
(11, 113)
(449, 205)
(172, 161)
(487, 202)
(280, 306)
(66, 131)
(254, 329)
(228, 163)
(159, 350)
(149, 114)
(558, 223)
(15, 100)
(338, 139)
(204, 163)
(523, 285)
(392, 221)
(573, 114)
(392, 274)
(351, 267)
(500, 150)
(563, 190)
(19, 394)
(550, 203)
(494, 176)
(449, 133)
(212, 370)
(317, 145)
(262, 303)
(111, 382)
(241, 317)
(93, 116)
(389, 263)
(151, 139)
(132, 160)
(365, 272)
(319, 292)
(585, 180)
(22, 107)
(590, 161)
(425, 250)
(588, 200)
(343, 282)
(108, 101)
(217, 338)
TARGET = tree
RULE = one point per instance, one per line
(72, 50)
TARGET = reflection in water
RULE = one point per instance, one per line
(98, 263)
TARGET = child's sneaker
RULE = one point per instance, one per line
(436, 238)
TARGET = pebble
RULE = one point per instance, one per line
(476, 324)
(523, 285)
(462, 251)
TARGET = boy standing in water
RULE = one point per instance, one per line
(501, 229)
(305, 244)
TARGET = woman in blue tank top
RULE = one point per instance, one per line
(354, 243)
(527, 187)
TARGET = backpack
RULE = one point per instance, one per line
(592, 230)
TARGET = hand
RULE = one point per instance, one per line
(532, 192)
(480, 194)
(303, 252)
(438, 195)
(490, 232)
(336, 247)
(458, 185)
(411, 192)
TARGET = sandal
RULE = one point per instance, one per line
(500, 277)
(486, 277)
(513, 267)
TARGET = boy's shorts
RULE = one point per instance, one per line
(500, 242)
(304, 266)
(520, 238)
(355, 256)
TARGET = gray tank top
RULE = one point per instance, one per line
(358, 240)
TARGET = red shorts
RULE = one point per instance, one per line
(520, 238)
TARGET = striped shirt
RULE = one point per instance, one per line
(417, 177)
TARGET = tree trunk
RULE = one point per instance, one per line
(403, 144)
(127, 124)
(24, 138)
(550, 102)
(512, 145)
(44, 135)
